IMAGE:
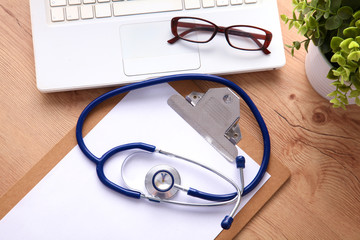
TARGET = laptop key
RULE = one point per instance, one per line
(57, 14)
(56, 3)
(208, 3)
(89, 1)
(221, 3)
(87, 12)
(72, 13)
(74, 2)
(236, 2)
(103, 10)
(192, 4)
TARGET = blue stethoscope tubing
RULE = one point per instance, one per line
(150, 148)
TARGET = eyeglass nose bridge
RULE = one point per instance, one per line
(221, 29)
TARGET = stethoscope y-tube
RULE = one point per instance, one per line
(100, 161)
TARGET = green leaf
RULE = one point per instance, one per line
(336, 83)
(297, 45)
(313, 3)
(335, 43)
(332, 94)
(334, 5)
(333, 22)
(354, 56)
(356, 81)
(351, 32)
(294, 14)
(345, 45)
(295, 2)
(344, 100)
(354, 93)
(357, 23)
(356, 15)
(303, 30)
(318, 15)
(338, 58)
(353, 44)
(343, 73)
(357, 101)
(284, 18)
(344, 89)
(326, 14)
(317, 34)
(301, 16)
(345, 12)
(297, 25)
(306, 44)
(346, 74)
(312, 23)
(353, 65)
(291, 24)
(357, 39)
(336, 73)
(304, 5)
(335, 101)
(331, 75)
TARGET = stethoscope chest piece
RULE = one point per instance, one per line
(161, 181)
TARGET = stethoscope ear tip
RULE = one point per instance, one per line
(226, 223)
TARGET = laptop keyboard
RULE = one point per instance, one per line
(75, 10)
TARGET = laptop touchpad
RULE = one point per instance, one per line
(145, 50)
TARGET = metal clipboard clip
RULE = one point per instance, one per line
(214, 115)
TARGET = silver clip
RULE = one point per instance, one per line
(214, 115)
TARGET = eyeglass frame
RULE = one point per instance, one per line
(225, 30)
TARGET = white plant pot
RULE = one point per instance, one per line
(317, 68)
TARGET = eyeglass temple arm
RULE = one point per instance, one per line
(196, 27)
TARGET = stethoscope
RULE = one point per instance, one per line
(163, 181)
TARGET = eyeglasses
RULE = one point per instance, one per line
(241, 37)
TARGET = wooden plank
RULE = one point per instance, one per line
(319, 144)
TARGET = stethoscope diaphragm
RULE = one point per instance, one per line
(161, 181)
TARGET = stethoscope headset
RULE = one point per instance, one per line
(163, 181)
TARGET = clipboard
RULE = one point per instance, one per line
(279, 173)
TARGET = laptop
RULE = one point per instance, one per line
(80, 44)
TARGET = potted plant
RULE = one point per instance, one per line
(333, 26)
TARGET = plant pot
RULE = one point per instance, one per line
(317, 68)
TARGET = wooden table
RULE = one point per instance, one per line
(319, 144)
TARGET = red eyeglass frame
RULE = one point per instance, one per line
(226, 30)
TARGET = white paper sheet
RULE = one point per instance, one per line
(71, 203)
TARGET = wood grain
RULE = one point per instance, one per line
(320, 145)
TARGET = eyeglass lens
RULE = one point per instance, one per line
(242, 37)
(248, 38)
(195, 30)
